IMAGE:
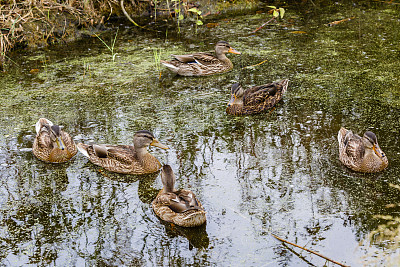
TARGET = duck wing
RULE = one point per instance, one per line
(353, 146)
(121, 153)
(189, 197)
(69, 142)
(265, 96)
(199, 58)
(184, 58)
(187, 201)
(43, 139)
(259, 95)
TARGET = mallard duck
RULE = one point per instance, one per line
(177, 206)
(201, 64)
(256, 99)
(123, 158)
(361, 154)
(52, 144)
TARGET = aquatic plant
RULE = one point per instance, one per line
(157, 58)
(86, 69)
(177, 10)
(111, 48)
(276, 12)
(198, 14)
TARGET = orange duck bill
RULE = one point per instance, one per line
(233, 51)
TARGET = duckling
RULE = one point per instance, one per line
(52, 144)
(361, 154)
(202, 63)
(180, 207)
(125, 159)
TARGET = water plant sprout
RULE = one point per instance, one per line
(113, 54)
(198, 13)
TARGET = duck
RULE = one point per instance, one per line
(361, 154)
(256, 99)
(52, 144)
(202, 63)
(180, 207)
(125, 159)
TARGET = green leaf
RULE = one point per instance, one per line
(194, 10)
(281, 11)
(199, 22)
(275, 14)
(180, 17)
(274, 7)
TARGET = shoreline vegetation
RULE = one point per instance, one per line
(39, 23)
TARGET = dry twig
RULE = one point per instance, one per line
(309, 250)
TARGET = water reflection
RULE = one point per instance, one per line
(197, 237)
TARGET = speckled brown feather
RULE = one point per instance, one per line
(354, 155)
(44, 149)
(123, 159)
(200, 64)
(188, 218)
(180, 207)
(259, 98)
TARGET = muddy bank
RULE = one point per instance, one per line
(41, 23)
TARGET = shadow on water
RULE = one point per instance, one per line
(276, 172)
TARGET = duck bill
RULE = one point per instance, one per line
(378, 151)
(60, 143)
(158, 144)
(232, 100)
(233, 51)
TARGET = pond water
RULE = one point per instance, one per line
(255, 175)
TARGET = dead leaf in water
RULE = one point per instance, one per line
(212, 25)
(336, 22)
(298, 32)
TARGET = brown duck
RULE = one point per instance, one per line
(361, 154)
(202, 63)
(52, 144)
(180, 207)
(256, 99)
(124, 158)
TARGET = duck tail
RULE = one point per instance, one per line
(342, 135)
(41, 122)
(285, 84)
(83, 149)
(195, 219)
